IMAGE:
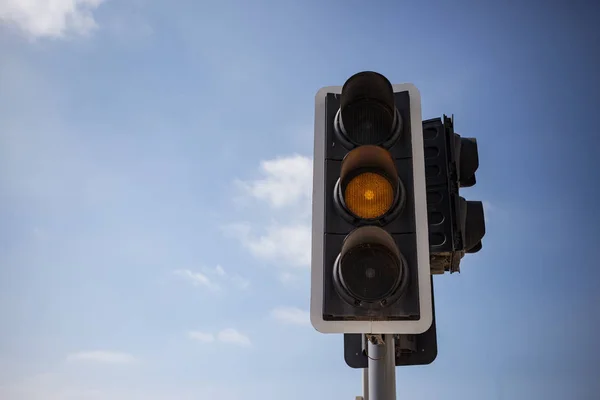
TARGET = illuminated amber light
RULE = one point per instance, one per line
(369, 195)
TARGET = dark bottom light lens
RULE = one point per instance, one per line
(370, 272)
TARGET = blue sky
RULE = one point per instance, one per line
(152, 247)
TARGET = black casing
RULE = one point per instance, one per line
(402, 228)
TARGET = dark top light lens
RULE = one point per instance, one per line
(368, 122)
(370, 272)
(367, 109)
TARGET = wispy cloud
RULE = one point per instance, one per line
(240, 282)
(228, 278)
(232, 336)
(101, 356)
(285, 185)
(79, 385)
(286, 181)
(197, 279)
(493, 211)
(226, 336)
(489, 207)
(287, 245)
(288, 277)
(291, 315)
(202, 336)
(56, 19)
(215, 279)
(220, 271)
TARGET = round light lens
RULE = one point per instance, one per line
(369, 195)
(368, 122)
(370, 272)
(367, 109)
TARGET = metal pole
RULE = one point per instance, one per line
(382, 367)
(390, 368)
(365, 372)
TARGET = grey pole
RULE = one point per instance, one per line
(365, 373)
(382, 367)
(390, 368)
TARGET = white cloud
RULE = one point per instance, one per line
(240, 282)
(101, 356)
(291, 315)
(197, 279)
(214, 279)
(491, 208)
(235, 279)
(286, 181)
(288, 277)
(492, 211)
(77, 385)
(45, 18)
(285, 185)
(487, 206)
(226, 336)
(232, 336)
(202, 336)
(220, 271)
(285, 245)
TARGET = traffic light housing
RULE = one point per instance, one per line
(456, 225)
(370, 270)
(418, 349)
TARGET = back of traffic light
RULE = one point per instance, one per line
(370, 249)
(456, 225)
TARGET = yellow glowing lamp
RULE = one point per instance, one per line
(369, 183)
(369, 195)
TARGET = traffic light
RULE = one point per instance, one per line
(370, 269)
(456, 226)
